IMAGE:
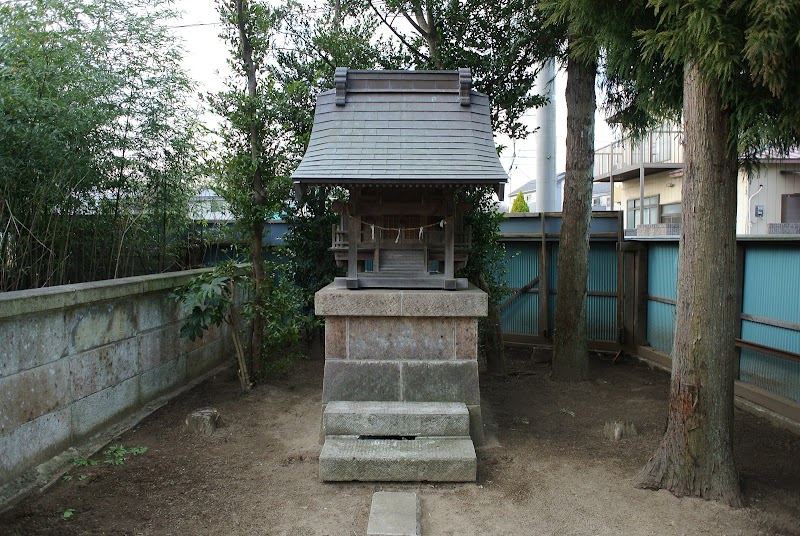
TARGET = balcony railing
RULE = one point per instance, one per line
(662, 146)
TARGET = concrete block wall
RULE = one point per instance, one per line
(77, 358)
(403, 345)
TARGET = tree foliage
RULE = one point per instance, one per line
(501, 42)
(316, 46)
(268, 111)
(257, 151)
(486, 268)
(97, 144)
(520, 205)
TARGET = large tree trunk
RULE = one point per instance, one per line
(695, 457)
(257, 233)
(570, 352)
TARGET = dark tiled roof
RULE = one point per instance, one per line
(401, 126)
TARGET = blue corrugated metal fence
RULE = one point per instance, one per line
(522, 237)
(770, 296)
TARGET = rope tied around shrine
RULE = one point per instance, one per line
(441, 223)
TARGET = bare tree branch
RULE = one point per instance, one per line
(414, 50)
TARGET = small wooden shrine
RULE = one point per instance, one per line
(403, 144)
(400, 395)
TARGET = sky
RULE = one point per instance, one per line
(206, 55)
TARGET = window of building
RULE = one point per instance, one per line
(634, 207)
(671, 213)
(790, 208)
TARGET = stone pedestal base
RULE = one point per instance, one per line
(404, 346)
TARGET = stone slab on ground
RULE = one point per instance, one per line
(394, 513)
(396, 418)
(346, 459)
(203, 421)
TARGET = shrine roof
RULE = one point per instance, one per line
(401, 127)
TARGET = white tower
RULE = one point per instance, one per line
(545, 141)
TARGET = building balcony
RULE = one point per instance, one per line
(627, 159)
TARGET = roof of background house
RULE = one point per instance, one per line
(529, 186)
(401, 127)
(601, 188)
(598, 188)
(774, 154)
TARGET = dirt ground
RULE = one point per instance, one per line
(547, 471)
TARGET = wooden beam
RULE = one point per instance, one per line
(630, 245)
(596, 293)
(782, 406)
(620, 265)
(532, 283)
(629, 297)
(353, 236)
(771, 322)
(522, 339)
(654, 356)
(769, 350)
(449, 248)
(544, 325)
(659, 299)
(740, 253)
(640, 293)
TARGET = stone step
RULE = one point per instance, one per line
(393, 419)
(444, 459)
(394, 513)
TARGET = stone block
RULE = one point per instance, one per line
(400, 338)
(33, 442)
(619, 430)
(102, 367)
(87, 294)
(186, 345)
(212, 333)
(25, 302)
(441, 381)
(226, 336)
(30, 341)
(335, 337)
(361, 380)
(155, 310)
(159, 346)
(333, 301)
(203, 422)
(101, 408)
(387, 460)
(466, 330)
(162, 379)
(394, 513)
(33, 393)
(396, 419)
(204, 359)
(98, 325)
(476, 431)
(471, 302)
(168, 281)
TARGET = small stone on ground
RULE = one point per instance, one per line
(203, 422)
(615, 430)
(394, 513)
